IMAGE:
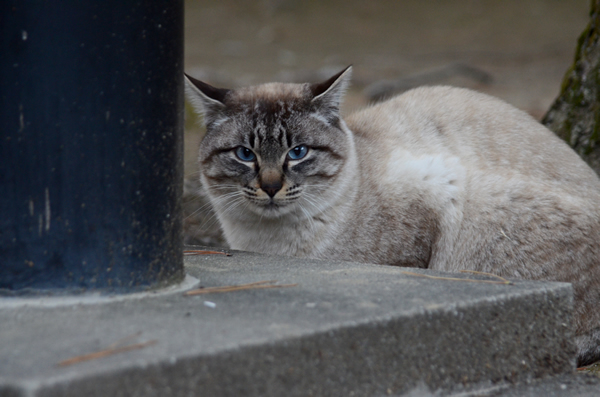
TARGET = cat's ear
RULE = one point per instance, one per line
(327, 95)
(206, 99)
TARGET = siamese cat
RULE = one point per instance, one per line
(438, 177)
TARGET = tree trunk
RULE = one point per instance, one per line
(575, 115)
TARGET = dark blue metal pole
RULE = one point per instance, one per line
(91, 106)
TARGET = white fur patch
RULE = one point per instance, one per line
(440, 180)
(442, 177)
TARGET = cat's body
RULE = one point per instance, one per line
(440, 178)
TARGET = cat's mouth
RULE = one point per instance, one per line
(272, 208)
(271, 205)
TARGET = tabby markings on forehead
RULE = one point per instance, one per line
(253, 138)
(318, 116)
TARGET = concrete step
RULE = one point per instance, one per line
(567, 385)
(343, 329)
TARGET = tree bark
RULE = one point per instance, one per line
(575, 115)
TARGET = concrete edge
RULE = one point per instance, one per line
(309, 357)
(95, 298)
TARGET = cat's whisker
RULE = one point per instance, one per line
(226, 209)
(224, 199)
(314, 201)
(310, 219)
(233, 205)
(211, 205)
(209, 223)
(247, 204)
(224, 187)
(227, 198)
(200, 210)
(316, 185)
(194, 213)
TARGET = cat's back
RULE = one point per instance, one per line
(482, 132)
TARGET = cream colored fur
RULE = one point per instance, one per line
(441, 178)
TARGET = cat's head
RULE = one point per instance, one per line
(273, 149)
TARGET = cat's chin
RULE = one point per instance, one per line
(272, 210)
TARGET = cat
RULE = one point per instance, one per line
(439, 177)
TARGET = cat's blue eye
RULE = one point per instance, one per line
(298, 152)
(245, 154)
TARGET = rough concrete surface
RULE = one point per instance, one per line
(581, 385)
(344, 329)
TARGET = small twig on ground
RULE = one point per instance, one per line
(203, 252)
(504, 281)
(230, 288)
(105, 353)
(593, 368)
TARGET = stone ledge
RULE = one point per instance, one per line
(345, 329)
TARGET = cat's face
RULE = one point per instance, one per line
(273, 150)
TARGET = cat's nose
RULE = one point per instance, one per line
(270, 181)
(271, 188)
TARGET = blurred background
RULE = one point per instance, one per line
(517, 50)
